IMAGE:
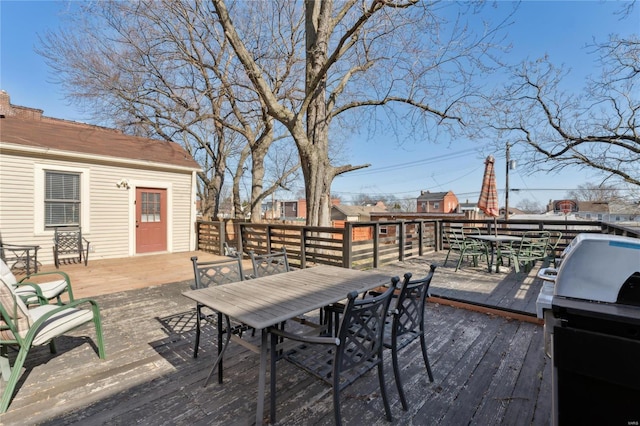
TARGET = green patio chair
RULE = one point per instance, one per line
(552, 246)
(466, 247)
(25, 328)
(32, 289)
(531, 248)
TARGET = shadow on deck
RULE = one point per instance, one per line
(489, 369)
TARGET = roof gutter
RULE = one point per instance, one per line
(6, 147)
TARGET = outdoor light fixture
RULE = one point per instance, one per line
(123, 183)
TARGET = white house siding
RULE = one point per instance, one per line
(110, 225)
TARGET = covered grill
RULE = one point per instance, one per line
(593, 327)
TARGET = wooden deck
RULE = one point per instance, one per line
(489, 369)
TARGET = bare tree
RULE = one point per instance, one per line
(161, 69)
(597, 129)
(360, 55)
(529, 206)
(595, 193)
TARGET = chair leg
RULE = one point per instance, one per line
(220, 337)
(197, 340)
(336, 400)
(446, 258)
(423, 343)
(460, 260)
(396, 373)
(13, 379)
(383, 390)
(272, 380)
(99, 336)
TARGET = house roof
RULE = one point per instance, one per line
(431, 196)
(63, 135)
(357, 210)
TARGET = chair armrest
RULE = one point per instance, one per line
(36, 290)
(306, 339)
(64, 275)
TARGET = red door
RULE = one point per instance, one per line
(151, 220)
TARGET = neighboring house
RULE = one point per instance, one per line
(513, 211)
(285, 209)
(130, 195)
(597, 210)
(344, 213)
(288, 209)
(437, 202)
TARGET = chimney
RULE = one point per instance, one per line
(5, 104)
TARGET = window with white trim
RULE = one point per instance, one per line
(61, 199)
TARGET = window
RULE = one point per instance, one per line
(423, 206)
(436, 206)
(61, 199)
(150, 208)
(383, 230)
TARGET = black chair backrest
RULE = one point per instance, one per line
(270, 263)
(409, 308)
(216, 272)
(361, 330)
(68, 240)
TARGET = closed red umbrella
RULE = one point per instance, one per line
(488, 201)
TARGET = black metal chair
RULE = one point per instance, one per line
(70, 246)
(215, 273)
(407, 323)
(270, 263)
(340, 359)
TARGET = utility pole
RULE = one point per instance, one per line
(506, 196)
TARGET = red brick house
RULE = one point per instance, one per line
(437, 202)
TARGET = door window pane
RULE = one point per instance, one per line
(150, 209)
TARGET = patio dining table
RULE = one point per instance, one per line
(495, 241)
(268, 301)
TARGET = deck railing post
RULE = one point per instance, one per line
(347, 245)
(401, 239)
(222, 237)
(376, 244)
(303, 247)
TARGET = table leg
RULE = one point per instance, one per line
(262, 377)
(491, 259)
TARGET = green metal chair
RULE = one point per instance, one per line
(531, 248)
(33, 288)
(459, 243)
(552, 246)
(25, 328)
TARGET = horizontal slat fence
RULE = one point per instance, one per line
(364, 245)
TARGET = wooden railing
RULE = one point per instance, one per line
(364, 245)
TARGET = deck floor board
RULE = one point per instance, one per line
(488, 369)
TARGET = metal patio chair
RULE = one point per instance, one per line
(406, 324)
(215, 273)
(32, 289)
(270, 263)
(24, 327)
(341, 359)
(466, 247)
(532, 247)
(70, 246)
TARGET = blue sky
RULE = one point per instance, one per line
(558, 29)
